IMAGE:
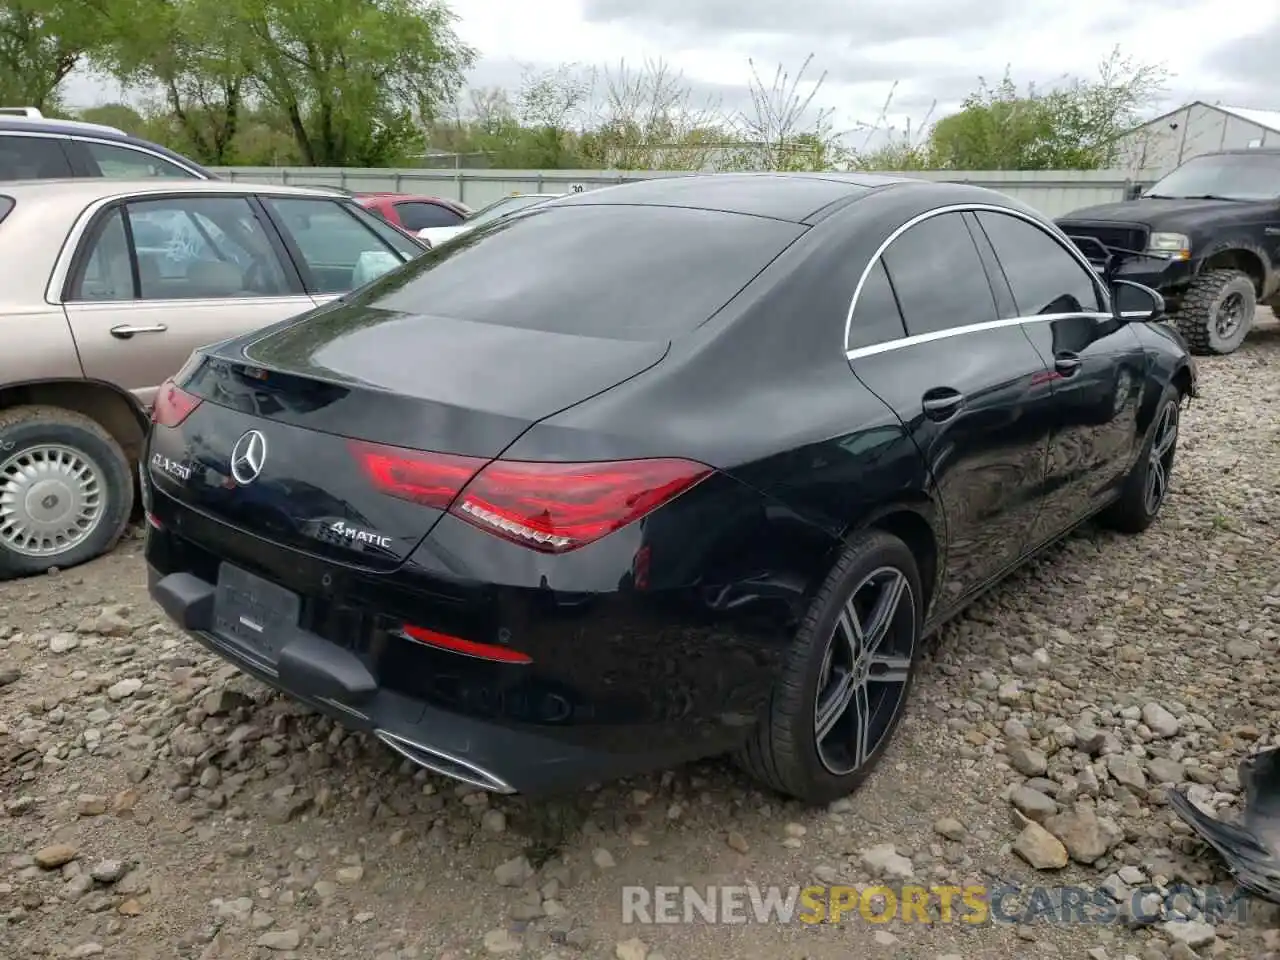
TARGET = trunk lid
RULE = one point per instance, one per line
(357, 373)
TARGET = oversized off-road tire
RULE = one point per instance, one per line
(1147, 486)
(1217, 311)
(846, 676)
(66, 490)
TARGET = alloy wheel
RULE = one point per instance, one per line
(1160, 462)
(1230, 315)
(865, 670)
(51, 498)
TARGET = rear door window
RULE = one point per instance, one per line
(203, 248)
(419, 215)
(106, 274)
(876, 317)
(939, 277)
(617, 272)
(32, 158)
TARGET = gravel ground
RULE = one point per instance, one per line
(159, 805)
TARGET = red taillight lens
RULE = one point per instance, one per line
(173, 405)
(431, 479)
(551, 507)
(556, 507)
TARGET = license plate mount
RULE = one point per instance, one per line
(254, 613)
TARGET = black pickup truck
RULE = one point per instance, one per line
(1206, 236)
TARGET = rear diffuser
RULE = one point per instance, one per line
(1250, 848)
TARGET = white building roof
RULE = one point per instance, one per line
(1263, 118)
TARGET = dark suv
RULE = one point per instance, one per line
(35, 148)
(1206, 236)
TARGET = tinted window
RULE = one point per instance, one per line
(32, 158)
(341, 248)
(625, 273)
(6, 204)
(419, 216)
(124, 163)
(391, 234)
(203, 248)
(938, 276)
(875, 316)
(503, 208)
(107, 272)
(1043, 276)
(1233, 176)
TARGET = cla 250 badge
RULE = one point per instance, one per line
(174, 469)
(352, 534)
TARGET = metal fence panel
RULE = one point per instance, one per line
(1053, 192)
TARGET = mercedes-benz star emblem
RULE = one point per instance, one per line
(247, 457)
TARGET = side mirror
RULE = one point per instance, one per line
(1133, 192)
(1135, 302)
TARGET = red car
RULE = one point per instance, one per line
(412, 213)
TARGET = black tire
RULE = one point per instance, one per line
(24, 431)
(1135, 510)
(1202, 320)
(784, 752)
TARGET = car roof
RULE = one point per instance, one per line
(84, 190)
(81, 130)
(793, 197)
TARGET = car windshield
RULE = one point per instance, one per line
(502, 208)
(1231, 176)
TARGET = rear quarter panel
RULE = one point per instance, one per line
(763, 392)
(48, 351)
(37, 339)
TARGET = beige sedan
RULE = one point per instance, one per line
(108, 287)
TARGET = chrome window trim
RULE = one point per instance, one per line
(902, 228)
(869, 351)
(47, 135)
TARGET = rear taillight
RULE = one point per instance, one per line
(173, 405)
(551, 507)
(431, 479)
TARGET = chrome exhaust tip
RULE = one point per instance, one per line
(445, 764)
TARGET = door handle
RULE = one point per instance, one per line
(126, 330)
(942, 403)
(1067, 363)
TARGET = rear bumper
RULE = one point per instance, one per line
(335, 682)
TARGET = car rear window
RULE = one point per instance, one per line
(611, 271)
(6, 204)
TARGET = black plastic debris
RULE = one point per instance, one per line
(1251, 848)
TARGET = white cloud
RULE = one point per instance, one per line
(935, 49)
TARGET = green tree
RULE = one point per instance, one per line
(1073, 126)
(357, 81)
(193, 54)
(41, 42)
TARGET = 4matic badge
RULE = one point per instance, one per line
(343, 531)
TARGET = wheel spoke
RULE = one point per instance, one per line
(862, 725)
(886, 668)
(1156, 483)
(883, 613)
(834, 704)
(849, 627)
(1167, 433)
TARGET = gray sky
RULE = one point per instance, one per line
(934, 50)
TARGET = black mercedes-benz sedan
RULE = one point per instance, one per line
(656, 472)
